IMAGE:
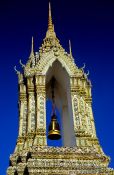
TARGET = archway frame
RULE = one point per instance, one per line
(63, 100)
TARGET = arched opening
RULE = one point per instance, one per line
(28, 156)
(19, 160)
(15, 173)
(26, 171)
(62, 101)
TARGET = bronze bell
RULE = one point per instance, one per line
(54, 129)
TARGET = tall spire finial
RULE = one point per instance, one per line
(32, 48)
(50, 23)
(70, 48)
(50, 31)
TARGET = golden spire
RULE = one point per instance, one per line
(50, 23)
(32, 48)
(50, 31)
(70, 48)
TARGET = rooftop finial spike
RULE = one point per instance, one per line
(50, 32)
(50, 24)
(70, 48)
(32, 48)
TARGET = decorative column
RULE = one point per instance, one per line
(40, 138)
(89, 120)
(89, 113)
(23, 111)
(76, 116)
(22, 114)
(92, 121)
(82, 114)
(31, 112)
(93, 140)
(75, 89)
(79, 111)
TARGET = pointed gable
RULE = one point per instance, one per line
(50, 51)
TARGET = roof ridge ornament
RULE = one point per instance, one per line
(32, 48)
(17, 72)
(22, 65)
(88, 73)
(82, 68)
(70, 48)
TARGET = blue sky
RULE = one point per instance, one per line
(90, 26)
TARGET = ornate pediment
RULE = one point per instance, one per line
(48, 59)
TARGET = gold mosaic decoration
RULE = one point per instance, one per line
(32, 156)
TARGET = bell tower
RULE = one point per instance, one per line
(51, 73)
